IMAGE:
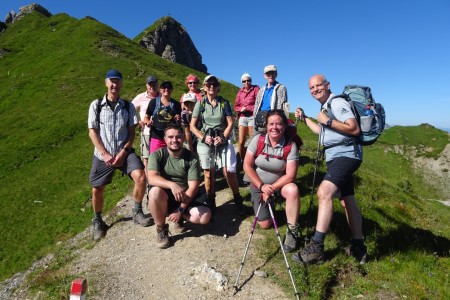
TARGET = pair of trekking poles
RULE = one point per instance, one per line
(268, 203)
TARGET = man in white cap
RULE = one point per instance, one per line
(273, 95)
(140, 102)
(112, 122)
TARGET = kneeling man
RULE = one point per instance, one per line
(174, 176)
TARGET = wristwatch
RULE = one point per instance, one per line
(181, 210)
(329, 122)
(127, 149)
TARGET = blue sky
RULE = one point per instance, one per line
(401, 49)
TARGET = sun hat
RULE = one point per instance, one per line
(246, 75)
(189, 97)
(111, 74)
(270, 68)
(211, 77)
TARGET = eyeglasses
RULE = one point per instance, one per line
(215, 84)
(193, 82)
(270, 73)
(245, 81)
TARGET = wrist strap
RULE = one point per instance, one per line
(261, 185)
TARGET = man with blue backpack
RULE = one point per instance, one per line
(339, 131)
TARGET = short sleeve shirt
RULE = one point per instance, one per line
(270, 169)
(175, 168)
(213, 117)
(163, 117)
(342, 111)
(112, 124)
(140, 102)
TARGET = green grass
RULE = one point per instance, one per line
(407, 238)
(55, 67)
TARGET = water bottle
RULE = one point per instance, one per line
(367, 119)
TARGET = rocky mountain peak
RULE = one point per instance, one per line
(170, 40)
(11, 17)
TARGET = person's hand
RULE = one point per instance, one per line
(149, 122)
(218, 140)
(267, 189)
(175, 217)
(177, 118)
(108, 158)
(178, 192)
(209, 140)
(322, 118)
(142, 125)
(119, 159)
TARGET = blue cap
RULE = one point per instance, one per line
(113, 74)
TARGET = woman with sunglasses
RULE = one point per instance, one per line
(273, 172)
(244, 105)
(192, 83)
(215, 115)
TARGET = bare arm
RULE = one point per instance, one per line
(348, 127)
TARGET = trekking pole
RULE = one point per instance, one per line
(308, 213)
(246, 249)
(282, 249)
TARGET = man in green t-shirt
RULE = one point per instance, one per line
(174, 176)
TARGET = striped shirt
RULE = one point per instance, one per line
(113, 124)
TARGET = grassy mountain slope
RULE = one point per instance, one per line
(53, 69)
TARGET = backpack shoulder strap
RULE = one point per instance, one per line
(97, 111)
(260, 145)
(287, 148)
(157, 105)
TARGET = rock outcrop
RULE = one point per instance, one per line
(170, 40)
(12, 17)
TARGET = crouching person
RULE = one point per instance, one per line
(174, 176)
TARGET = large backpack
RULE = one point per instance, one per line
(260, 148)
(360, 97)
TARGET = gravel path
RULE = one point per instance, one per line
(202, 263)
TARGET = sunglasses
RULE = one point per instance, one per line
(245, 81)
(193, 82)
(215, 84)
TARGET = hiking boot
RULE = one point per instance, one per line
(139, 218)
(312, 254)
(179, 227)
(291, 240)
(100, 228)
(162, 240)
(359, 252)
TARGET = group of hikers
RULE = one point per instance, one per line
(181, 140)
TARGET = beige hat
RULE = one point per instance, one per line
(270, 68)
(211, 77)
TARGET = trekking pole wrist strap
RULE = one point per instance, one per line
(261, 186)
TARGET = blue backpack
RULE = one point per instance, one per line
(360, 98)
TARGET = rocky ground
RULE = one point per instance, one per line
(202, 263)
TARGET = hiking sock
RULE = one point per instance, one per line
(137, 206)
(319, 237)
(98, 215)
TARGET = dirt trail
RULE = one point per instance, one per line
(202, 263)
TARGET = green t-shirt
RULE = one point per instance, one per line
(175, 168)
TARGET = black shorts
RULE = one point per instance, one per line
(172, 204)
(340, 172)
(101, 174)
(264, 213)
